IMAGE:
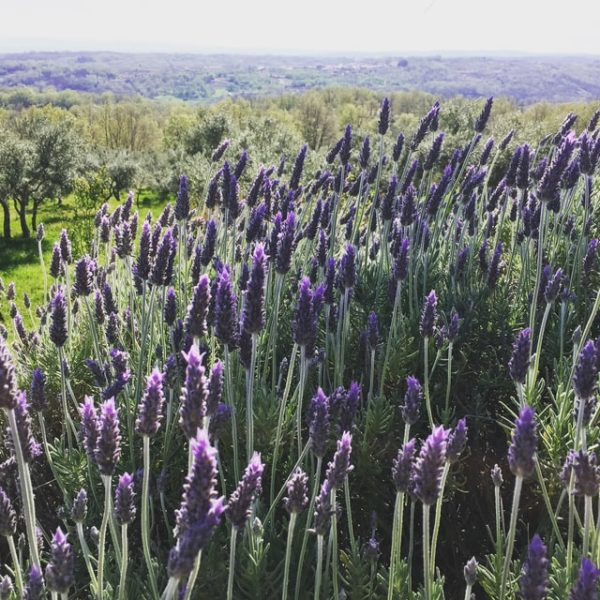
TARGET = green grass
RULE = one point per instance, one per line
(19, 257)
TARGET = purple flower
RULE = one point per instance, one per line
(8, 516)
(585, 378)
(589, 260)
(210, 241)
(521, 454)
(518, 365)
(85, 268)
(65, 247)
(340, 466)
(323, 509)
(411, 411)
(240, 167)
(586, 586)
(253, 316)
(434, 152)
(182, 204)
(297, 492)
(79, 507)
(123, 240)
(365, 155)
(219, 420)
(39, 400)
(484, 116)
(197, 312)
(143, 263)
(108, 444)
(240, 502)
(162, 269)
(58, 324)
(384, 116)
(470, 572)
(346, 146)
(298, 167)
(319, 421)
(285, 244)
(305, 320)
(61, 566)
(428, 315)
(31, 449)
(56, 265)
(89, 429)
(193, 394)
(428, 467)
(226, 310)
(150, 413)
(170, 309)
(125, 500)
(34, 590)
(402, 466)
(398, 146)
(587, 473)
(347, 270)
(400, 268)
(549, 185)
(494, 268)
(215, 388)
(457, 441)
(220, 150)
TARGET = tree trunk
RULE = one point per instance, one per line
(6, 211)
(34, 213)
(21, 208)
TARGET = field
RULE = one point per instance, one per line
(365, 369)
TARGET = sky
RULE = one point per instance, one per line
(303, 26)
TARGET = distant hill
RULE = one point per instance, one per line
(208, 78)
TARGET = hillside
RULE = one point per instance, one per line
(208, 78)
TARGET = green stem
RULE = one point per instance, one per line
(438, 513)
(86, 554)
(353, 543)
(512, 530)
(426, 379)
(334, 539)
(16, 564)
(319, 569)
(193, 576)
(171, 589)
(232, 545)
(395, 552)
(288, 555)
(145, 517)
(587, 524)
(449, 378)
(102, 536)
(234, 429)
(125, 553)
(426, 567)
(26, 489)
(250, 399)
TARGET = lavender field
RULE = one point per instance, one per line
(373, 380)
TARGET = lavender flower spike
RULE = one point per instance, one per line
(253, 317)
(79, 507)
(585, 379)
(193, 394)
(238, 508)
(521, 454)
(34, 590)
(457, 441)
(586, 586)
(519, 362)
(411, 411)
(8, 517)
(533, 583)
(340, 466)
(60, 575)
(150, 413)
(319, 422)
(427, 472)
(297, 492)
(197, 312)
(226, 311)
(428, 315)
(58, 324)
(108, 445)
(402, 466)
(125, 500)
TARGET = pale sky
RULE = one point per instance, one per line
(303, 26)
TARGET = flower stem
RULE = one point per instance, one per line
(145, 517)
(232, 545)
(426, 379)
(426, 553)
(395, 551)
(334, 540)
(16, 564)
(193, 576)
(319, 569)
(249, 400)
(512, 529)
(125, 552)
(288, 555)
(438, 513)
(102, 536)
(86, 554)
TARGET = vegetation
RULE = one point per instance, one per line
(397, 334)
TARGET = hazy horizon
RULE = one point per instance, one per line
(459, 27)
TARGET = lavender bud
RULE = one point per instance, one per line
(89, 429)
(58, 324)
(411, 411)
(297, 492)
(193, 394)
(428, 315)
(253, 317)
(521, 454)
(61, 566)
(197, 312)
(298, 168)
(85, 269)
(240, 502)
(79, 508)
(215, 389)
(34, 590)
(125, 500)
(6, 588)
(150, 412)
(37, 393)
(8, 516)
(470, 572)
(586, 586)
(585, 378)
(384, 116)
(398, 146)
(220, 150)
(587, 473)
(429, 465)
(519, 362)
(340, 466)
(182, 204)
(402, 466)
(319, 422)
(484, 116)
(347, 270)
(323, 510)
(108, 450)
(226, 310)
(457, 441)
(533, 583)
(30, 448)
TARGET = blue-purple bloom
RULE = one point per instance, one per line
(519, 362)
(193, 394)
(586, 586)
(240, 502)
(197, 312)
(151, 407)
(428, 467)
(125, 500)
(253, 316)
(521, 454)
(318, 423)
(428, 315)
(402, 466)
(60, 570)
(108, 444)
